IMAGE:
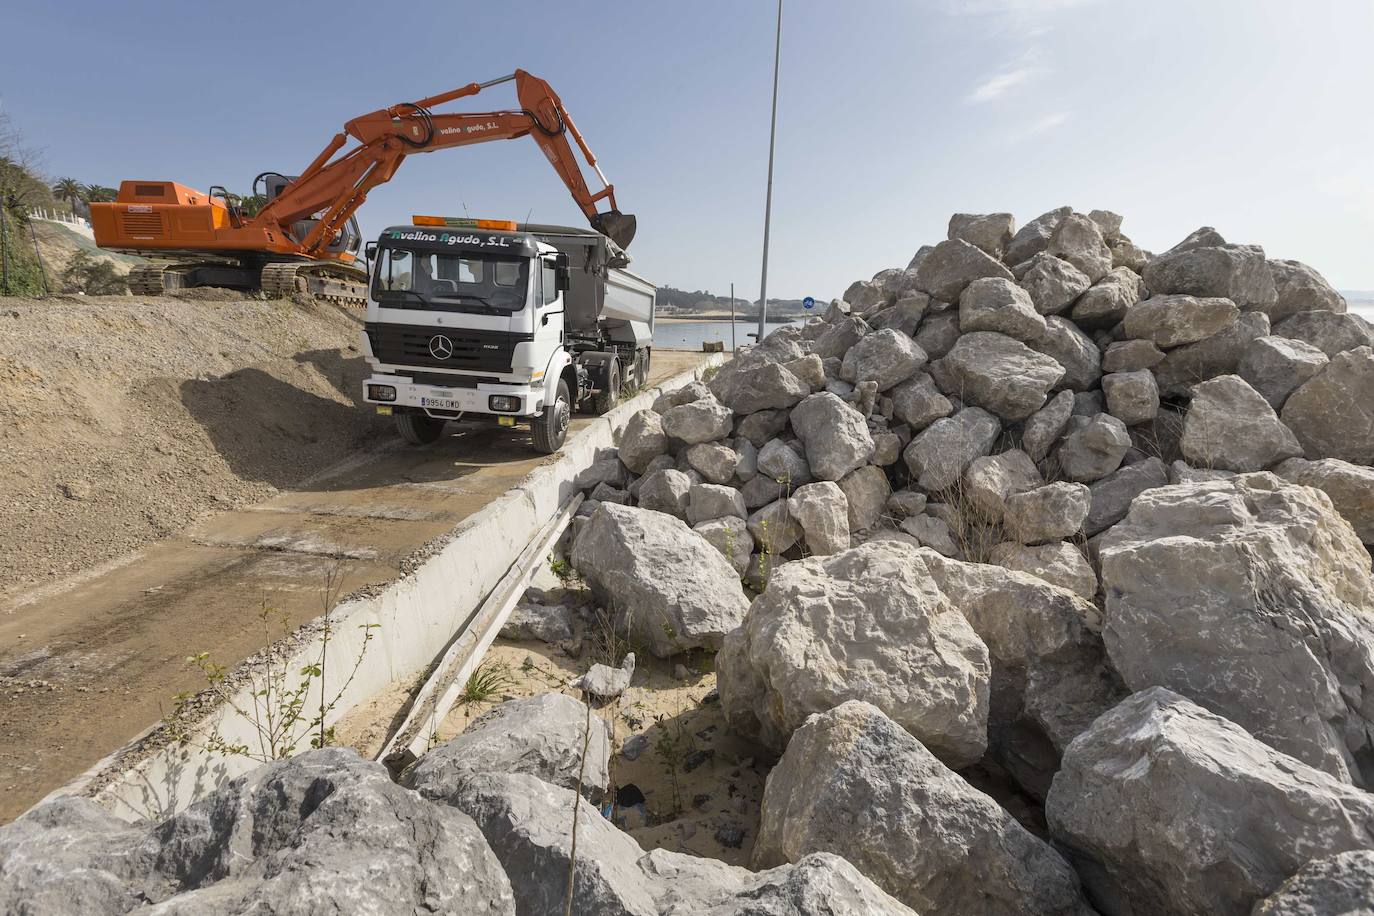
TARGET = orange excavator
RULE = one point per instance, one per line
(306, 239)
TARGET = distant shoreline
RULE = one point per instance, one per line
(739, 319)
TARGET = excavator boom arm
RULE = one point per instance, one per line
(337, 187)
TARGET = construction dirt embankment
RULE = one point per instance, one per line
(173, 465)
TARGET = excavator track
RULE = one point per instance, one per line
(155, 279)
(340, 284)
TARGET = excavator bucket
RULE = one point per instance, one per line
(616, 226)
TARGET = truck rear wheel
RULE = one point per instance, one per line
(608, 397)
(419, 428)
(551, 428)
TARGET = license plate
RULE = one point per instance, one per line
(441, 403)
(505, 421)
(384, 411)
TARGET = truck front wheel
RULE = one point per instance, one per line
(419, 428)
(550, 429)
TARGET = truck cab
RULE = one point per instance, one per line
(486, 318)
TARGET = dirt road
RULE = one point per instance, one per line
(88, 662)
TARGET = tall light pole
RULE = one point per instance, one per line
(768, 200)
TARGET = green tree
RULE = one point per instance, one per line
(100, 194)
(253, 204)
(70, 190)
(92, 276)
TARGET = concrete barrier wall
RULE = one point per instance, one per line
(411, 621)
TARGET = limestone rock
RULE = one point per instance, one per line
(642, 440)
(997, 373)
(932, 532)
(783, 463)
(1327, 331)
(540, 735)
(952, 265)
(938, 333)
(835, 435)
(1049, 513)
(1299, 288)
(1280, 585)
(1078, 240)
(989, 232)
(1113, 494)
(863, 623)
(823, 512)
(1108, 222)
(1171, 321)
(940, 846)
(746, 388)
(918, 403)
(670, 589)
(666, 491)
(1230, 426)
(746, 460)
(1058, 563)
(885, 357)
(688, 393)
(712, 460)
(1185, 366)
(554, 624)
(1132, 397)
(1277, 366)
(1034, 237)
(759, 427)
(702, 420)
(996, 304)
(1339, 885)
(810, 369)
(1072, 349)
(1239, 273)
(706, 501)
(604, 470)
(1332, 414)
(839, 337)
(774, 528)
(866, 491)
(940, 454)
(602, 682)
(1166, 808)
(1131, 356)
(760, 491)
(1043, 429)
(1053, 283)
(1105, 303)
(1094, 449)
(991, 479)
(1350, 486)
(730, 535)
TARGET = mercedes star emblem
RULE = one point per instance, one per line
(440, 347)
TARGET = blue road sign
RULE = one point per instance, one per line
(808, 303)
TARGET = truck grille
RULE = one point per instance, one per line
(142, 223)
(410, 345)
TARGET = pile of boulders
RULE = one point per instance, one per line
(1042, 502)
(481, 825)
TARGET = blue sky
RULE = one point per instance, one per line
(1254, 117)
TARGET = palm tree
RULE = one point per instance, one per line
(70, 190)
(96, 193)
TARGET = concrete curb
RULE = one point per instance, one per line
(412, 620)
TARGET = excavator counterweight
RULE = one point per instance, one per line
(305, 240)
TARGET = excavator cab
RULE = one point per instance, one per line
(347, 241)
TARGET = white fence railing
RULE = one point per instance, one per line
(71, 221)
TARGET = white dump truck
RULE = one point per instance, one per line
(521, 322)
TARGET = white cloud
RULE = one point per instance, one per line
(1041, 125)
(999, 84)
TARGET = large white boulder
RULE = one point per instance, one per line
(669, 588)
(1167, 809)
(1252, 597)
(855, 783)
(868, 624)
(835, 435)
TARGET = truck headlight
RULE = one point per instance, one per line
(381, 393)
(503, 402)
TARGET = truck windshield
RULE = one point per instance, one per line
(455, 282)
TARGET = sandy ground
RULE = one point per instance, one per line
(701, 785)
(123, 419)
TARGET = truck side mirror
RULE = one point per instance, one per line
(371, 251)
(562, 273)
